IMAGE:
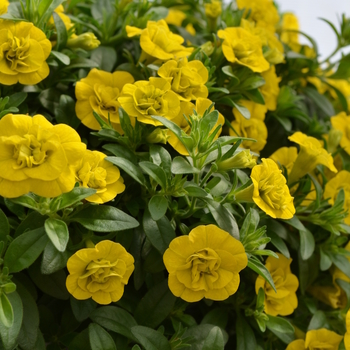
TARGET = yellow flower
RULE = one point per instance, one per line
(262, 12)
(270, 90)
(317, 339)
(175, 17)
(271, 193)
(285, 301)
(187, 78)
(158, 42)
(86, 41)
(289, 22)
(333, 186)
(272, 47)
(95, 172)
(36, 156)
(347, 334)
(146, 98)
(23, 53)
(4, 4)
(66, 20)
(241, 47)
(204, 264)
(99, 93)
(310, 155)
(213, 9)
(286, 157)
(99, 273)
(342, 85)
(202, 104)
(254, 127)
(191, 29)
(341, 122)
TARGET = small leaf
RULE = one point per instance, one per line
(215, 340)
(279, 324)
(150, 339)
(181, 166)
(61, 31)
(307, 244)
(100, 339)
(58, 233)
(6, 311)
(61, 57)
(157, 206)
(260, 269)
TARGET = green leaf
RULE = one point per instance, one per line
(53, 284)
(181, 166)
(45, 10)
(243, 110)
(224, 218)
(307, 244)
(279, 324)
(53, 260)
(155, 305)
(105, 57)
(115, 319)
(150, 339)
(61, 31)
(121, 151)
(155, 172)
(129, 168)
(161, 157)
(318, 320)
(279, 243)
(30, 325)
(343, 71)
(61, 57)
(104, 218)
(341, 262)
(194, 190)
(82, 308)
(4, 227)
(9, 335)
(244, 334)
(160, 233)
(157, 207)
(65, 111)
(100, 339)
(25, 249)
(58, 233)
(68, 199)
(325, 261)
(81, 62)
(320, 100)
(228, 71)
(27, 200)
(171, 126)
(260, 269)
(215, 340)
(16, 99)
(6, 311)
(217, 317)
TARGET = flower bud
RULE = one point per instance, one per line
(208, 48)
(240, 160)
(334, 139)
(158, 135)
(8, 287)
(86, 41)
(213, 10)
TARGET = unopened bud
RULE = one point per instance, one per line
(158, 135)
(86, 41)
(334, 139)
(241, 160)
(208, 48)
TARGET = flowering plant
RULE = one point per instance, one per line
(173, 175)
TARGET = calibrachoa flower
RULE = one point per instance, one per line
(205, 264)
(143, 99)
(158, 42)
(3, 6)
(333, 186)
(285, 156)
(175, 17)
(99, 93)
(263, 12)
(289, 22)
(213, 9)
(310, 155)
(285, 301)
(254, 127)
(187, 78)
(242, 47)
(36, 156)
(317, 339)
(269, 191)
(270, 90)
(187, 108)
(99, 273)
(23, 53)
(341, 122)
(95, 172)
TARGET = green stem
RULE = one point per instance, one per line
(332, 54)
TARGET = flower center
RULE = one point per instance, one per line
(204, 265)
(28, 152)
(149, 99)
(99, 273)
(93, 177)
(271, 190)
(16, 51)
(106, 98)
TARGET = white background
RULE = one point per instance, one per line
(308, 12)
